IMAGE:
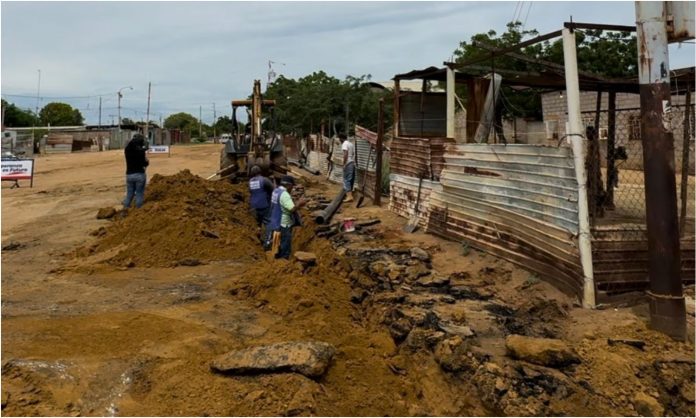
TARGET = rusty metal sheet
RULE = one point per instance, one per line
(366, 134)
(516, 201)
(620, 258)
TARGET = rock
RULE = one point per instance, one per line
(399, 329)
(467, 292)
(209, 234)
(639, 344)
(455, 355)
(420, 254)
(451, 329)
(12, 246)
(416, 271)
(305, 257)
(254, 396)
(448, 299)
(308, 358)
(379, 268)
(542, 351)
(189, 262)
(358, 295)
(106, 213)
(433, 281)
(99, 232)
(647, 406)
(5, 398)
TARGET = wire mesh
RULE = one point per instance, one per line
(616, 174)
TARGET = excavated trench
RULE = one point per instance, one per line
(409, 340)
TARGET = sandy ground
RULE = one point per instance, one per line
(111, 340)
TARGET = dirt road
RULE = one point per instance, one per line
(88, 331)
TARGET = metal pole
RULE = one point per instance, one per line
(667, 308)
(214, 121)
(378, 161)
(685, 162)
(147, 117)
(577, 139)
(450, 102)
(611, 150)
(100, 108)
(200, 121)
(119, 114)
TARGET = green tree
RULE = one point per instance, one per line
(224, 124)
(609, 54)
(15, 117)
(127, 121)
(181, 120)
(60, 114)
(303, 105)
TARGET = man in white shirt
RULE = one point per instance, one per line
(348, 166)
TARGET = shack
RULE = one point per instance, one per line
(525, 202)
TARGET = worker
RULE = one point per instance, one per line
(281, 218)
(348, 166)
(260, 188)
(136, 161)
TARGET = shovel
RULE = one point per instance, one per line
(412, 224)
(362, 191)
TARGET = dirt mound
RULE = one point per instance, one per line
(185, 217)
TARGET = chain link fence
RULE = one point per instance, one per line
(615, 166)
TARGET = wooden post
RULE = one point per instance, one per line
(377, 200)
(396, 108)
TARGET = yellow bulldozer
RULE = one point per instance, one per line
(258, 145)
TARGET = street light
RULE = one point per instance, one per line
(119, 106)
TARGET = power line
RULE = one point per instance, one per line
(525, 18)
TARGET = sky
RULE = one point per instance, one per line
(200, 56)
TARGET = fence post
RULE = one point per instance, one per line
(577, 139)
(378, 149)
(667, 307)
(611, 149)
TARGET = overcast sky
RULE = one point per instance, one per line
(197, 54)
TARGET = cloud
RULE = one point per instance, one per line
(197, 54)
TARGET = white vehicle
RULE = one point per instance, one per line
(225, 137)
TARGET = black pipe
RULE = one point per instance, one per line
(325, 215)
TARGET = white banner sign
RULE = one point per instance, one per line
(18, 170)
(158, 149)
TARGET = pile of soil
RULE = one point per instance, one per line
(185, 219)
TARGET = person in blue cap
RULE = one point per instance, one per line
(281, 218)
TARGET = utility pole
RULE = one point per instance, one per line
(100, 103)
(214, 121)
(200, 122)
(119, 107)
(576, 135)
(667, 307)
(147, 117)
(38, 93)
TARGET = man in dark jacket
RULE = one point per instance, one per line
(260, 190)
(136, 161)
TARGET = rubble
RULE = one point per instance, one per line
(311, 359)
(306, 257)
(420, 254)
(647, 406)
(542, 351)
(106, 213)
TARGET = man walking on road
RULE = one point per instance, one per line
(136, 161)
(281, 219)
(348, 167)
